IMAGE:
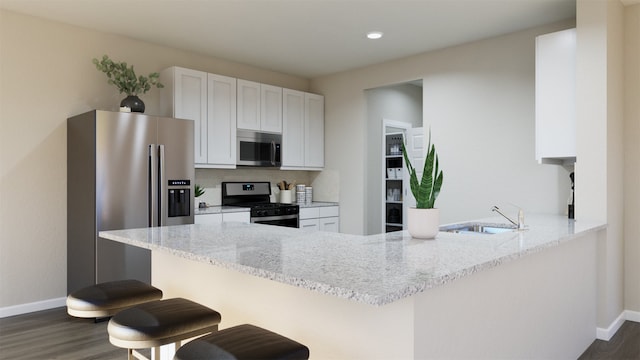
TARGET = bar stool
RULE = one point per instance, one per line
(106, 299)
(243, 342)
(161, 322)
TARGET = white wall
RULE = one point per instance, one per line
(401, 103)
(480, 99)
(632, 159)
(47, 75)
(599, 169)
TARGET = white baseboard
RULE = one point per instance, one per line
(632, 315)
(607, 334)
(32, 307)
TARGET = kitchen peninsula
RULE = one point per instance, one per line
(511, 295)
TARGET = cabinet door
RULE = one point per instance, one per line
(314, 131)
(242, 216)
(221, 121)
(248, 105)
(330, 224)
(208, 219)
(555, 95)
(190, 102)
(293, 128)
(271, 108)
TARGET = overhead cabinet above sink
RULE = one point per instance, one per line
(556, 97)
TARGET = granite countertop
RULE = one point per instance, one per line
(217, 209)
(318, 204)
(375, 269)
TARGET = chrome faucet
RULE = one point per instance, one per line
(519, 224)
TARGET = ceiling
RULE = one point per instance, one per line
(307, 38)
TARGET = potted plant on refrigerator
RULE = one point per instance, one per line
(424, 219)
(125, 79)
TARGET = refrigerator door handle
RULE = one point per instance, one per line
(152, 187)
(162, 200)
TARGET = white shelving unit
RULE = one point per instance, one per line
(393, 180)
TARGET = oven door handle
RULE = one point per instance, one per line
(271, 218)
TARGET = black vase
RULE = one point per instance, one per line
(134, 103)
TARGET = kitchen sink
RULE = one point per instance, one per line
(478, 228)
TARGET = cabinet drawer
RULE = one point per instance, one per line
(329, 211)
(309, 213)
(310, 224)
(330, 224)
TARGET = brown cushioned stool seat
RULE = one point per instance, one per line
(106, 299)
(161, 322)
(243, 342)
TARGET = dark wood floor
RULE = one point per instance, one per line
(624, 345)
(52, 334)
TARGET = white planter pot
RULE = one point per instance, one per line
(196, 202)
(423, 223)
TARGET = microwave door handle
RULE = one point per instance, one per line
(273, 153)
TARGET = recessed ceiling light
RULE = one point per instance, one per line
(374, 35)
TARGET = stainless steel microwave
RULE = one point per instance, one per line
(258, 149)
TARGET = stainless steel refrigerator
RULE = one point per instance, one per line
(124, 171)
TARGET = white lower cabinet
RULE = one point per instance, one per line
(243, 216)
(322, 218)
(208, 219)
(219, 218)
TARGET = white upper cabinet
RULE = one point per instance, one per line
(184, 96)
(270, 108)
(248, 105)
(313, 130)
(259, 107)
(302, 130)
(210, 101)
(292, 128)
(221, 120)
(555, 97)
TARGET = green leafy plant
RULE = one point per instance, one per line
(427, 190)
(124, 77)
(198, 190)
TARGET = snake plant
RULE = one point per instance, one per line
(427, 190)
(198, 190)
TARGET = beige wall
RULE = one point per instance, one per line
(472, 93)
(46, 75)
(632, 159)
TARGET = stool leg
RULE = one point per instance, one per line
(136, 355)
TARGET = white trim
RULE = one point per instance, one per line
(632, 316)
(626, 315)
(32, 307)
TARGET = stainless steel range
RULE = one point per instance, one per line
(256, 195)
